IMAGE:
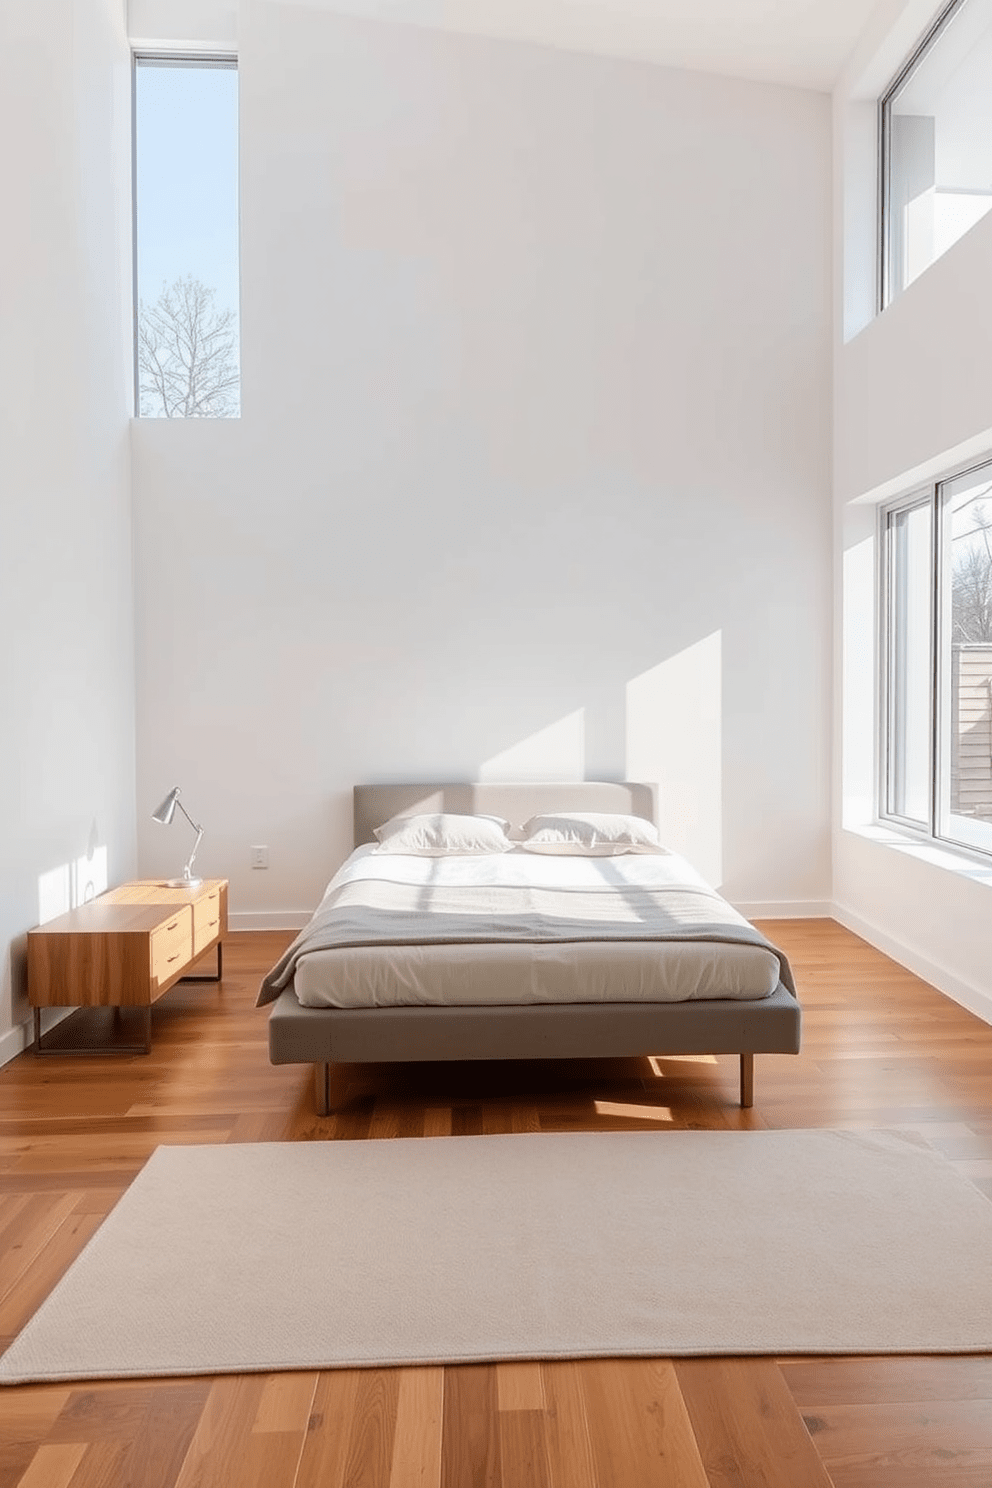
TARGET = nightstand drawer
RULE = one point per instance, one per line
(171, 946)
(206, 920)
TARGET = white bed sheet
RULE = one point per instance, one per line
(499, 974)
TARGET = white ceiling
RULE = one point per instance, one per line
(802, 43)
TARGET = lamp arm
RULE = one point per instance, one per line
(188, 869)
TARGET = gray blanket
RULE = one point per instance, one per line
(375, 912)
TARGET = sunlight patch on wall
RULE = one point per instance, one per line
(71, 884)
(674, 738)
(557, 752)
(54, 893)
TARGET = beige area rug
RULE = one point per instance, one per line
(319, 1254)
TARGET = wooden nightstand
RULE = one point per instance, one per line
(124, 949)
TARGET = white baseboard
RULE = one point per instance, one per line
(21, 1036)
(15, 1041)
(269, 919)
(972, 998)
(786, 909)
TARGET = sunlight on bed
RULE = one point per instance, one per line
(557, 752)
(638, 1113)
(674, 737)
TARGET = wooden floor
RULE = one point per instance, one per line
(880, 1049)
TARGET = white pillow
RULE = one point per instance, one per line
(437, 834)
(593, 834)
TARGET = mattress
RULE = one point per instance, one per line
(602, 946)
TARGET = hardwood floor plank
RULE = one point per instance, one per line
(416, 1460)
(566, 1427)
(216, 1449)
(437, 1121)
(159, 1448)
(932, 1429)
(103, 1462)
(259, 1126)
(747, 1425)
(325, 1446)
(27, 1415)
(816, 1384)
(373, 1426)
(523, 1449)
(520, 1387)
(266, 1460)
(226, 1450)
(639, 1429)
(53, 1466)
(470, 1444)
(958, 1469)
(32, 1222)
(466, 1121)
(286, 1403)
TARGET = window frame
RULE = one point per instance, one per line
(156, 57)
(932, 494)
(884, 296)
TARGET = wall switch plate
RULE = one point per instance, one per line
(259, 857)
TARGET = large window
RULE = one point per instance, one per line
(937, 629)
(187, 345)
(936, 128)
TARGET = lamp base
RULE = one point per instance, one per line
(184, 883)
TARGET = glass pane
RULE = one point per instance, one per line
(909, 664)
(940, 146)
(186, 176)
(965, 792)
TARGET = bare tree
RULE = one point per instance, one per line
(187, 355)
(972, 584)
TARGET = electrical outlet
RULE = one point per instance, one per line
(259, 857)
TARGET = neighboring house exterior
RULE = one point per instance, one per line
(971, 758)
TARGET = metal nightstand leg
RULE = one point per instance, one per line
(220, 968)
(69, 1051)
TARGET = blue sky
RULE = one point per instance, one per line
(187, 179)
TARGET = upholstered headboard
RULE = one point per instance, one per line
(516, 800)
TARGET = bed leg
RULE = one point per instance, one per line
(747, 1081)
(322, 1082)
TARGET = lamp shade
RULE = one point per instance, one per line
(167, 810)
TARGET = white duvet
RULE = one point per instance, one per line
(618, 953)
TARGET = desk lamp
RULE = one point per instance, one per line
(164, 814)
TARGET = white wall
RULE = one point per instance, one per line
(536, 358)
(913, 396)
(66, 662)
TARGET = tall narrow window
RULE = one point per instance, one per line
(936, 144)
(937, 624)
(187, 342)
(965, 779)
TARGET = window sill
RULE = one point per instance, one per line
(936, 854)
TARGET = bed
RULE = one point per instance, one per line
(587, 970)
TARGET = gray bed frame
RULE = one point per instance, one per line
(326, 1036)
